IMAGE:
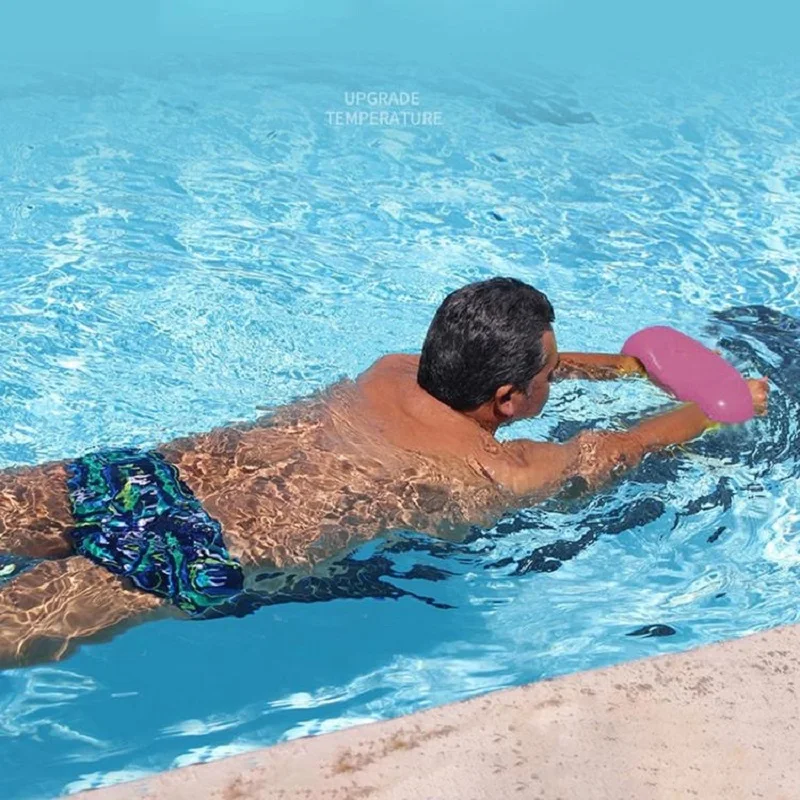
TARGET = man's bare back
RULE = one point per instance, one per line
(315, 478)
(361, 458)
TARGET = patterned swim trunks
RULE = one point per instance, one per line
(137, 518)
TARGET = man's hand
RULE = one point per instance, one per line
(759, 391)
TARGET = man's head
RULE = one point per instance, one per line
(490, 351)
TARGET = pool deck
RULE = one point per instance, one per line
(717, 722)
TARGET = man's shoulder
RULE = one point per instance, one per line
(392, 365)
(528, 453)
(397, 361)
(525, 466)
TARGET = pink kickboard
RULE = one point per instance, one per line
(692, 372)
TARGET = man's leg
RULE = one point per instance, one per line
(35, 514)
(49, 609)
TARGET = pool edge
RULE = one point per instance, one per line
(716, 721)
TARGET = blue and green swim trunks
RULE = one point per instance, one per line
(134, 516)
(137, 518)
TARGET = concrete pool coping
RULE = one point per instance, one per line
(720, 721)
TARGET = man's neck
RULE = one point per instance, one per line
(484, 417)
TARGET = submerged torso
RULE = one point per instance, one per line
(359, 459)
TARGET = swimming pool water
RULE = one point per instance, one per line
(186, 240)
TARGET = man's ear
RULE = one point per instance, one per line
(504, 401)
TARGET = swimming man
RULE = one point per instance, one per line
(125, 535)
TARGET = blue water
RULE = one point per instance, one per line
(186, 237)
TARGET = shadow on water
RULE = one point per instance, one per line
(547, 111)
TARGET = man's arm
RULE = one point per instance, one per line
(597, 366)
(541, 469)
